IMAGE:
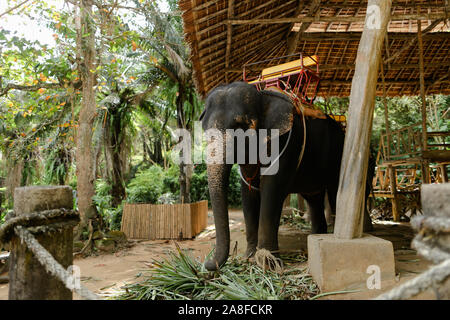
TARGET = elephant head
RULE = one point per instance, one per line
(237, 106)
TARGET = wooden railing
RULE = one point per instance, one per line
(406, 143)
(405, 154)
(402, 143)
(403, 163)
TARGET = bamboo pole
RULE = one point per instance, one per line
(229, 37)
(425, 168)
(386, 114)
(395, 17)
(393, 187)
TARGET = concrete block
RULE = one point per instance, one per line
(341, 264)
(436, 199)
(291, 239)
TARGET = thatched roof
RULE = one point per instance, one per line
(226, 34)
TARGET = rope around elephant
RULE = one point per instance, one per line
(266, 260)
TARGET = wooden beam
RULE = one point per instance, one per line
(229, 37)
(331, 67)
(280, 8)
(352, 181)
(425, 165)
(361, 5)
(343, 5)
(241, 51)
(387, 67)
(414, 40)
(394, 17)
(437, 155)
(356, 36)
(293, 39)
(323, 36)
(386, 114)
(393, 187)
(388, 82)
(212, 15)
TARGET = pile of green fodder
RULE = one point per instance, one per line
(295, 219)
(181, 277)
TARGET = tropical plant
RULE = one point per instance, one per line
(182, 277)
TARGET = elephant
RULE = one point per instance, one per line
(240, 105)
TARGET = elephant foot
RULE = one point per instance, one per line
(212, 265)
(250, 253)
(321, 230)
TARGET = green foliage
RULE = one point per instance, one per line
(181, 277)
(295, 219)
(234, 189)
(199, 183)
(3, 205)
(148, 185)
(199, 186)
(102, 199)
(151, 183)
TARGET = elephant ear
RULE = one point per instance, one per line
(277, 112)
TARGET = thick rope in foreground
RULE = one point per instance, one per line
(41, 221)
(266, 260)
(430, 229)
(51, 265)
(415, 286)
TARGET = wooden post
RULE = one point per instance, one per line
(425, 164)
(443, 168)
(28, 279)
(352, 182)
(386, 116)
(393, 187)
(229, 37)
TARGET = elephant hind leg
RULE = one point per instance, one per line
(331, 197)
(332, 194)
(317, 215)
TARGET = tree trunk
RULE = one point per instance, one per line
(185, 169)
(117, 180)
(86, 68)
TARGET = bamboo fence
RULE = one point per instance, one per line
(164, 221)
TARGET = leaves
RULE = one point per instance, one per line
(180, 276)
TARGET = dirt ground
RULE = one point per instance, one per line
(107, 273)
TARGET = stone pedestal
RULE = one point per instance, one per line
(291, 240)
(340, 264)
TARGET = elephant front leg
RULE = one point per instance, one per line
(250, 206)
(272, 198)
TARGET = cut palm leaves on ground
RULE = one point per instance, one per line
(181, 276)
(295, 219)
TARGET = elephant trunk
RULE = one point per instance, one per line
(218, 176)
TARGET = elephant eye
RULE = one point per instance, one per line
(239, 119)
